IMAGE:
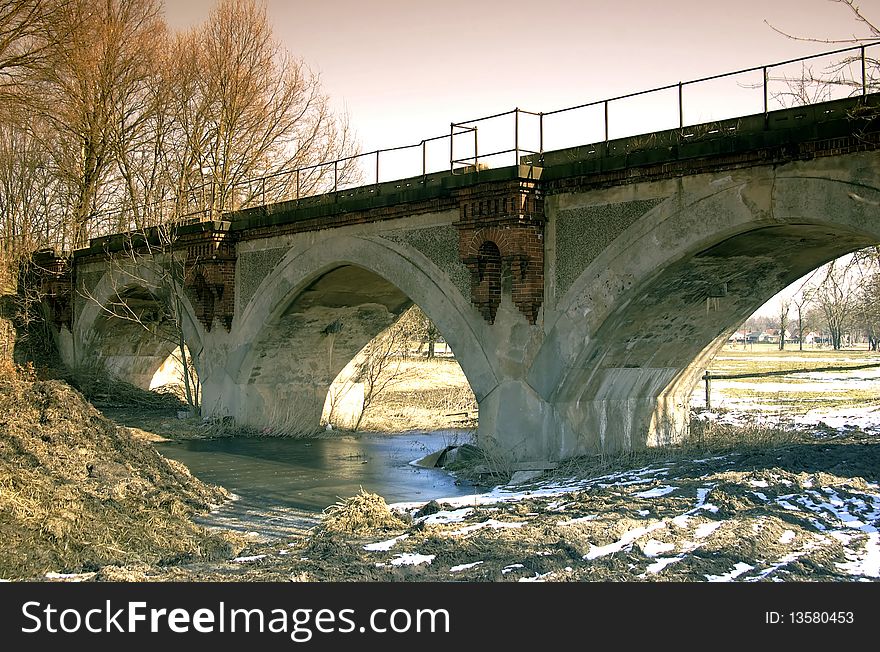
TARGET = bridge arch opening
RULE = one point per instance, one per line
(136, 339)
(635, 389)
(344, 342)
(405, 378)
(781, 356)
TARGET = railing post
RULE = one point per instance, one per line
(516, 135)
(263, 189)
(451, 146)
(297, 184)
(377, 167)
(680, 107)
(764, 84)
(707, 377)
(335, 175)
(424, 159)
(864, 76)
(476, 153)
(541, 133)
(606, 126)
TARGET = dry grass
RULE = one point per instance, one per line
(707, 436)
(428, 394)
(78, 493)
(703, 439)
(103, 390)
(363, 513)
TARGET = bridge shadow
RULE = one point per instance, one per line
(846, 456)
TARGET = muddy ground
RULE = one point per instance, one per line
(806, 509)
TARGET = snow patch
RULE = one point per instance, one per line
(706, 529)
(411, 559)
(653, 547)
(868, 564)
(464, 567)
(739, 569)
(656, 492)
(76, 577)
(382, 546)
(787, 537)
(446, 516)
(661, 563)
(625, 540)
(244, 560)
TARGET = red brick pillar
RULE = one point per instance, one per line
(502, 223)
(51, 276)
(210, 275)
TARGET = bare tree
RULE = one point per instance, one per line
(148, 263)
(244, 108)
(816, 85)
(27, 199)
(836, 300)
(86, 95)
(801, 302)
(30, 31)
(142, 143)
(868, 294)
(422, 329)
(784, 310)
(377, 367)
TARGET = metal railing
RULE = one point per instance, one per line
(708, 376)
(314, 180)
(469, 128)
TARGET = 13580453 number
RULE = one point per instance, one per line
(820, 617)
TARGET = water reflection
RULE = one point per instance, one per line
(281, 484)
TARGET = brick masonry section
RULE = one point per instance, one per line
(51, 275)
(503, 224)
(210, 276)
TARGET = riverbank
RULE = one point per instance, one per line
(78, 492)
(792, 508)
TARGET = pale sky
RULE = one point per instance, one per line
(405, 69)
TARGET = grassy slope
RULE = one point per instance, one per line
(78, 492)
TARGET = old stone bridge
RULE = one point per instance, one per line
(582, 291)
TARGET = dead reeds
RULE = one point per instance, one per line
(78, 493)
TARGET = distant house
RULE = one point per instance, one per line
(769, 336)
(814, 338)
(772, 335)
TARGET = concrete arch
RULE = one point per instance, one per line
(125, 349)
(319, 334)
(636, 327)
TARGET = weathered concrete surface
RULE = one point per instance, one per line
(322, 303)
(648, 266)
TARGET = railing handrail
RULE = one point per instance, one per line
(701, 80)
